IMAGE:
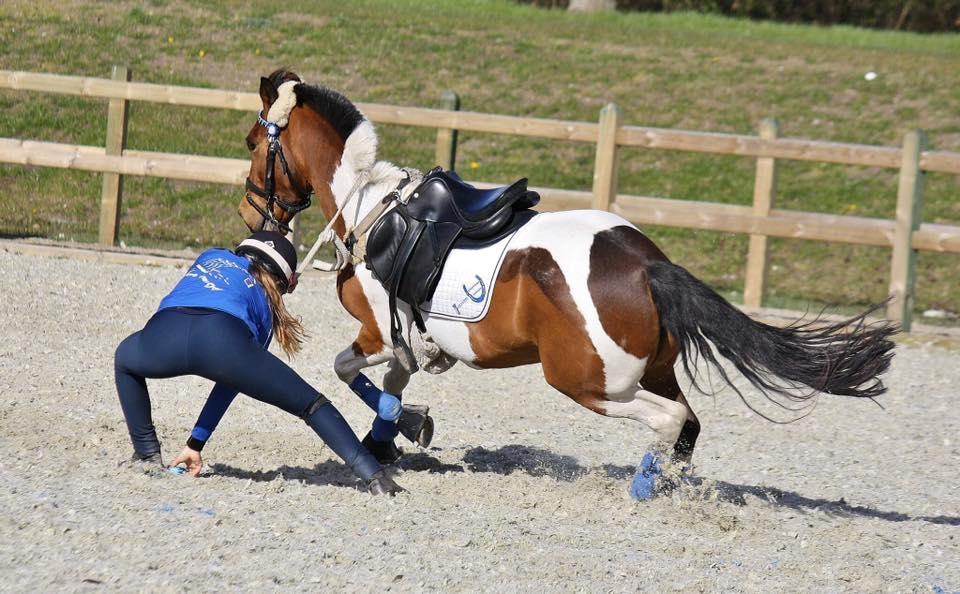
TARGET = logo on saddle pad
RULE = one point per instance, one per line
(476, 292)
(466, 285)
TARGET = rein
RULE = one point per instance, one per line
(327, 235)
(268, 192)
(353, 248)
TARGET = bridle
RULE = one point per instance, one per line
(346, 250)
(268, 192)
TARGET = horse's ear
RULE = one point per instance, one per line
(292, 76)
(268, 92)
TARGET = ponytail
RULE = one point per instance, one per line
(287, 329)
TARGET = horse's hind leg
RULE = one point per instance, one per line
(664, 416)
(662, 380)
(584, 384)
(588, 385)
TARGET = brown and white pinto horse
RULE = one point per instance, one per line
(583, 293)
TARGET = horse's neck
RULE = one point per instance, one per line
(381, 179)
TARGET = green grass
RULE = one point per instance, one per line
(677, 70)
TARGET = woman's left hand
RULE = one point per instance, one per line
(192, 459)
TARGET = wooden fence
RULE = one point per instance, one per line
(905, 234)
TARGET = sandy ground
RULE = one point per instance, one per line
(522, 490)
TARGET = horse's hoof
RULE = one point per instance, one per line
(381, 484)
(644, 485)
(675, 476)
(416, 424)
(386, 452)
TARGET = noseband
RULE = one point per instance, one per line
(268, 192)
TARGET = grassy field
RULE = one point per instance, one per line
(679, 71)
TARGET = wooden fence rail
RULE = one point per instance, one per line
(627, 136)
(905, 234)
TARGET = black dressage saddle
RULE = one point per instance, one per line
(407, 247)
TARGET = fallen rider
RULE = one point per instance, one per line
(217, 323)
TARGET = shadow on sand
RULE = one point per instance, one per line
(326, 473)
(539, 462)
(736, 494)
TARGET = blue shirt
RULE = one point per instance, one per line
(221, 280)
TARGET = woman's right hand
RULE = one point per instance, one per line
(192, 459)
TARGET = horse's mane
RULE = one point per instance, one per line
(334, 107)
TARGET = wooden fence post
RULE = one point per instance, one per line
(446, 155)
(764, 193)
(111, 196)
(903, 262)
(605, 165)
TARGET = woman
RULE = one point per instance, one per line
(217, 323)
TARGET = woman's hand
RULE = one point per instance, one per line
(192, 459)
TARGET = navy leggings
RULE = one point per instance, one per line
(220, 347)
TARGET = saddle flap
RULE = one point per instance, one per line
(383, 244)
(422, 271)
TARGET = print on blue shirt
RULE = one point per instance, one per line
(220, 279)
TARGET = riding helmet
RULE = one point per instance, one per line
(274, 251)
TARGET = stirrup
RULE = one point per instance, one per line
(416, 424)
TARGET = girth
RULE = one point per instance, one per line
(407, 247)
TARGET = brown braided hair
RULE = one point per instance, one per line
(287, 328)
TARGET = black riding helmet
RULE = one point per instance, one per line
(274, 252)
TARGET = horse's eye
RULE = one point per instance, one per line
(250, 145)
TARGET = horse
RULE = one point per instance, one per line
(585, 293)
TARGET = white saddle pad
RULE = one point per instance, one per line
(466, 283)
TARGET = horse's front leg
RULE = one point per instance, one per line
(396, 378)
(393, 417)
(386, 404)
(371, 349)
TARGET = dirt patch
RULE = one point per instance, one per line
(521, 487)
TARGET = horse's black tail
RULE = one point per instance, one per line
(837, 358)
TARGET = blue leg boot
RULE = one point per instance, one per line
(386, 405)
(379, 440)
(644, 485)
(393, 418)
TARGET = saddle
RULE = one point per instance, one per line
(407, 247)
